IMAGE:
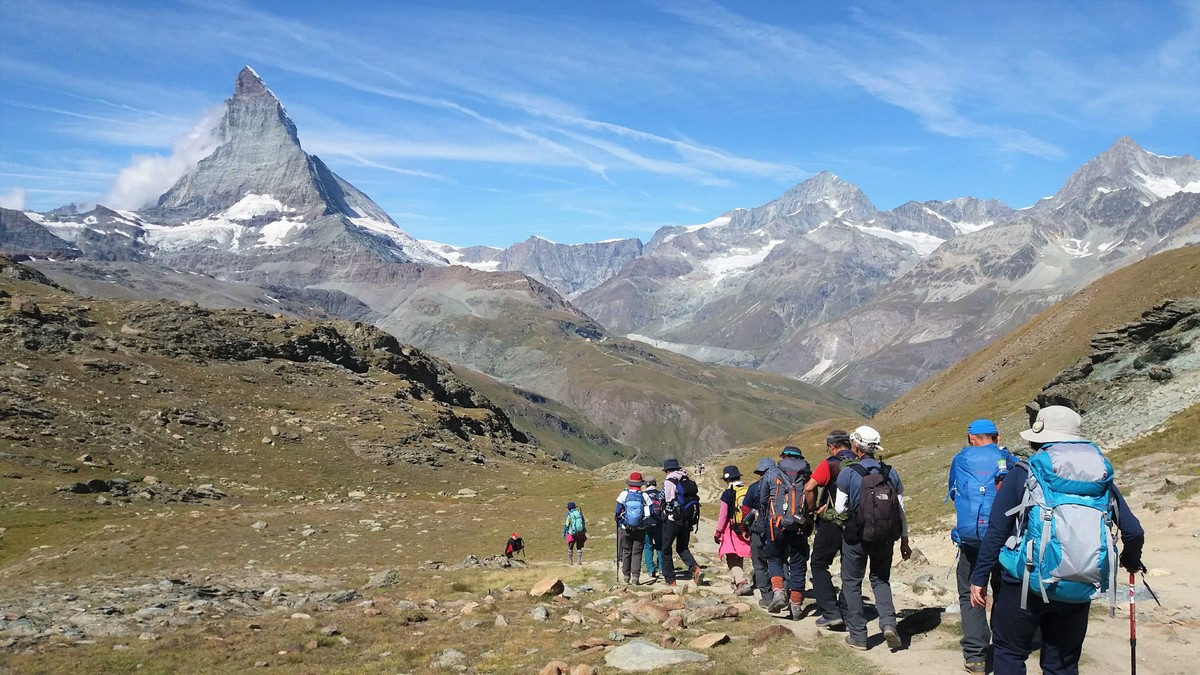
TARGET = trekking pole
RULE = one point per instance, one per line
(1132, 627)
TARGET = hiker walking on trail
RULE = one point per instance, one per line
(631, 514)
(872, 496)
(975, 475)
(652, 548)
(732, 537)
(789, 521)
(820, 491)
(682, 507)
(1053, 588)
(758, 530)
(575, 530)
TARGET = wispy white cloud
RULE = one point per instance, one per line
(13, 199)
(149, 176)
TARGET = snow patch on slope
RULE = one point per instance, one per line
(922, 243)
(252, 206)
(738, 261)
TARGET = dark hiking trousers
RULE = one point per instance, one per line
(629, 552)
(652, 553)
(826, 545)
(1063, 624)
(758, 555)
(676, 536)
(976, 635)
(855, 561)
(787, 557)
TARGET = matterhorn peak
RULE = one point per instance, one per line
(249, 84)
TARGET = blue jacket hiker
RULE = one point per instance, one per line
(975, 475)
(632, 514)
(1053, 593)
(575, 530)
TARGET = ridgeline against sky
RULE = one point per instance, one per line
(490, 125)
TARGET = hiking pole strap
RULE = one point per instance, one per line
(1151, 590)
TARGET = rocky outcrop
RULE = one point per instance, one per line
(1136, 376)
(23, 237)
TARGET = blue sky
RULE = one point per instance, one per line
(488, 122)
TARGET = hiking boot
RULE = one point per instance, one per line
(795, 610)
(743, 589)
(975, 666)
(860, 645)
(892, 637)
(830, 623)
(636, 581)
(778, 601)
(764, 602)
(625, 580)
(698, 576)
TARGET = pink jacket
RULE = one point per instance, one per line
(731, 541)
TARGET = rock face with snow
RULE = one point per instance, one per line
(729, 291)
(21, 235)
(568, 268)
(1122, 206)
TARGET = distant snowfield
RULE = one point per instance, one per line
(738, 261)
(252, 206)
(1163, 187)
(211, 232)
(715, 223)
(922, 243)
(407, 243)
(959, 226)
(272, 234)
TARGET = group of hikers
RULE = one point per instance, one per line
(1036, 533)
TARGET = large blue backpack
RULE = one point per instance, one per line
(1063, 543)
(975, 474)
(633, 515)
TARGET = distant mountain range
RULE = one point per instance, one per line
(817, 285)
(820, 285)
(260, 213)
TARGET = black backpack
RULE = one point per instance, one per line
(686, 505)
(877, 518)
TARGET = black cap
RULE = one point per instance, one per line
(731, 472)
(838, 438)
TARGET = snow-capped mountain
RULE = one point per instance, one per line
(732, 289)
(257, 194)
(568, 268)
(1122, 206)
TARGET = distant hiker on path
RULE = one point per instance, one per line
(631, 514)
(731, 535)
(515, 545)
(975, 474)
(652, 548)
(575, 530)
(758, 529)
(700, 469)
(1044, 592)
(682, 502)
(827, 540)
(789, 521)
(871, 493)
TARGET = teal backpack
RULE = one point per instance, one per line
(1063, 545)
(575, 522)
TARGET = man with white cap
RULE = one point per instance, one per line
(1062, 458)
(858, 554)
